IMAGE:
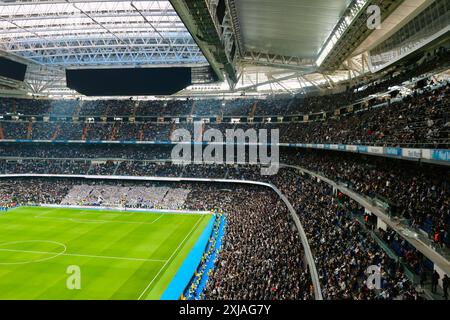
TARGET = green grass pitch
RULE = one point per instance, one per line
(120, 255)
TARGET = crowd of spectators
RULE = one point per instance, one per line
(156, 132)
(33, 191)
(274, 106)
(208, 107)
(421, 119)
(102, 168)
(99, 131)
(151, 108)
(44, 166)
(342, 248)
(68, 130)
(417, 193)
(239, 107)
(145, 168)
(415, 261)
(262, 255)
(14, 130)
(90, 108)
(327, 103)
(23, 106)
(42, 130)
(194, 290)
(264, 260)
(63, 108)
(84, 151)
(178, 107)
(113, 195)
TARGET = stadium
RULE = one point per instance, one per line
(224, 150)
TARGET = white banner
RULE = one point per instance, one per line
(412, 153)
(377, 150)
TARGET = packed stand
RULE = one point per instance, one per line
(343, 250)
(261, 255)
(417, 193)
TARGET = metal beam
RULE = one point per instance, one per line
(82, 33)
(350, 32)
(274, 60)
(253, 86)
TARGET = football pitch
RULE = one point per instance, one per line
(47, 253)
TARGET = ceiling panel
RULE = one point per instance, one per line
(288, 27)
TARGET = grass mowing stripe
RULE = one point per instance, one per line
(171, 257)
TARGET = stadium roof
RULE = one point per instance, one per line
(81, 33)
(288, 27)
(257, 45)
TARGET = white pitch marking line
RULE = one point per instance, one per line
(157, 219)
(84, 255)
(170, 258)
(80, 220)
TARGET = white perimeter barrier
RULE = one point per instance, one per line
(123, 209)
